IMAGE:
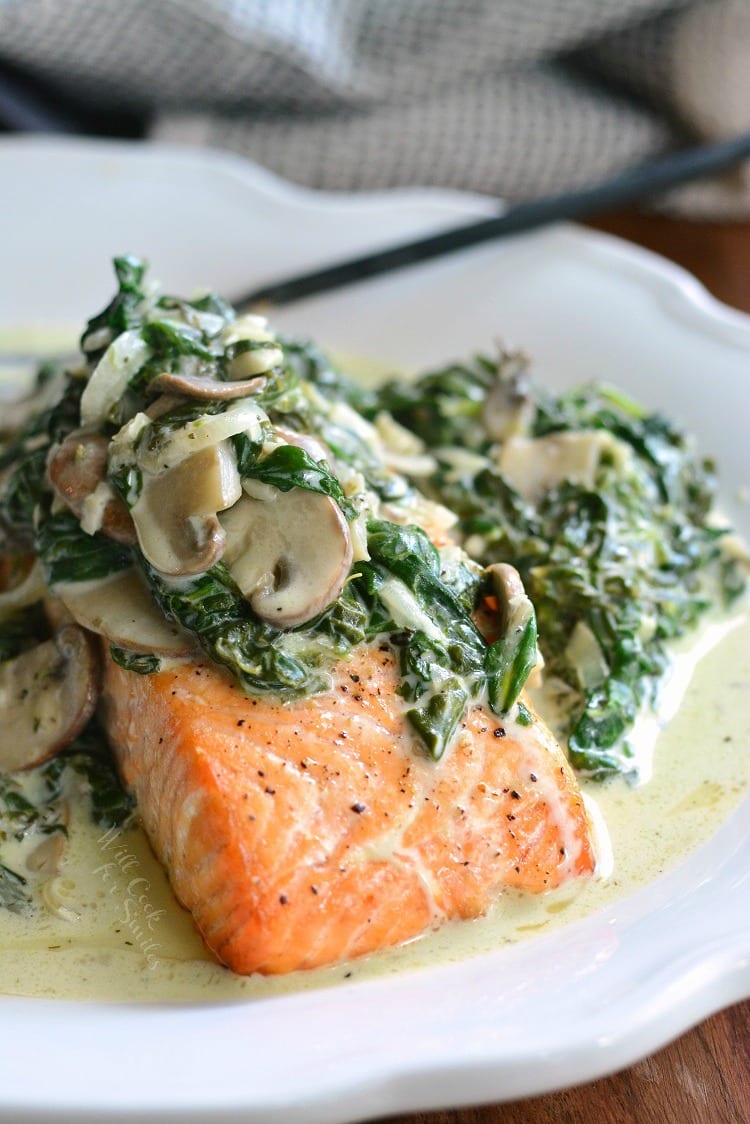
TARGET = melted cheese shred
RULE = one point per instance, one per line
(120, 935)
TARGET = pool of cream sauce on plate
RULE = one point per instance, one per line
(112, 929)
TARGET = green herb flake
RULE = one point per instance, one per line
(524, 716)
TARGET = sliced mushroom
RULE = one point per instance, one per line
(26, 592)
(290, 555)
(509, 590)
(56, 613)
(47, 695)
(534, 465)
(121, 609)
(401, 449)
(77, 469)
(162, 405)
(311, 445)
(260, 358)
(46, 857)
(515, 611)
(176, 513)
(207, 389)
(509, 406)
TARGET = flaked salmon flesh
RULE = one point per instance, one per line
(311, 832)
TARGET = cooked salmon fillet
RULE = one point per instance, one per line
(307, 833)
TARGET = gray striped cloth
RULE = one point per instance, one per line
(516, 98)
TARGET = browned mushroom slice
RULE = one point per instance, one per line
(47, 695)
(175, 517)
(121, 609)
(515, 609)
(77, 469)
(162, 405)
(509, 591)
(24, 591)
(56, 613)
(290, 554)
(207, 389)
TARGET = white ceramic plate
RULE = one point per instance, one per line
(562, 1009)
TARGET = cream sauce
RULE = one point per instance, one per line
(115, 931)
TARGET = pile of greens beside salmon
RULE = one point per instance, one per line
(605, 511)
(215, 555)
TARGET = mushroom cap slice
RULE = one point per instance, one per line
(311, 445)
(26, 592)
(121, 609)
(47, 695)
(515, 612)
(535, 465)
(176, 514)
(509, 406)
(290, 554)
(207, 389)
(77, 469)
(161, 405)
(509, 590)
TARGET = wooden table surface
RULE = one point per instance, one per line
(703, 1077)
